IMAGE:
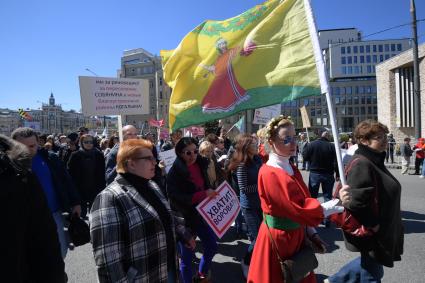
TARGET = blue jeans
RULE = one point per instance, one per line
(363, 269)
(326, 180)
(63, 240)
(209, 243)
(251, 210)
(423, 169)
(238, 223)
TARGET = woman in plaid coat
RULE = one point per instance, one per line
(132, 228)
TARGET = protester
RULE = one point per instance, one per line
(175, 136)
(289, 210)
(72, 146)
(29, 242)
(406, 153)
(128, 132)
(87, 168)
(104, 145)
(322, 160)
(132, 228)
(187, 186)
(302, 144)
(54, 179)
(390, 150)
(246, 163)
(420, 155)
(373, 198)
(215, 173)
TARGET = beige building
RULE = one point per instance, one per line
(9, 120)
(395, 93)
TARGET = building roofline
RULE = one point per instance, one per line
(137, 50)
(335, 29)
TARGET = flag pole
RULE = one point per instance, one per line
(324, 82)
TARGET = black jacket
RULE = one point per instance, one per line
(111, 164)
(181, 189)
(29, 245)
(89, 181)
(367, 175)
(321, 156)
(63, 185)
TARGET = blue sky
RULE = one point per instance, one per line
(47, 44)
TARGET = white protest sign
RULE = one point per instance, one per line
(263, 115)
(221, 211)
(112, 96)
(168, 156)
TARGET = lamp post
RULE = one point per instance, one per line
(104, 117)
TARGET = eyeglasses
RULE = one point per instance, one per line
(190, 152)
(87, 142)
(150, 158)
(288, 140)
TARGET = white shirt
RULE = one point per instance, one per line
(281, 162)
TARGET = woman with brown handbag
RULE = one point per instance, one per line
(290, 213)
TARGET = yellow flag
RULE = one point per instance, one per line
(267, 55)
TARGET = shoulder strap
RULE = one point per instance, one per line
(274, 246)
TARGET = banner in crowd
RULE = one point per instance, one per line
(305, 118)
(24, 114)
(156, 123)
(33, 125)
(264, 56)
(220, 212)
(112, 96)
(164, 133)
(168, 157)
(195, 131)
(263, 115)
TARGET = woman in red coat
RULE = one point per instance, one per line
(285, 200)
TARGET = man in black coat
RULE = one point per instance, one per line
(29, 243)
(321, 156)
(57, 185)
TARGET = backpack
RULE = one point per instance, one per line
(345, 220)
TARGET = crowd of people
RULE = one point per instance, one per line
(143, 219)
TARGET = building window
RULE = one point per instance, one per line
(318, 111)
(319, 121)
(374, 48)
(342, 90)
(399, 47)
(381, 58)
(350, 70)
(160, 94)
(367, 48)
(362, 59)
(356, 110)
(393, 47)
(343, 61)
(306, 102)
(348, 90)
(355, 49)
(361, 47)
(368, 58)
(336, 89)
(349, 100)
(349, 60)
(368, 89)
(350, 110)
(374, 89)
(387, 56)
(312, 102)
(312, 112)
(160, 81)
(337, 100)
(318, 101)
(363, 110)
(355, 59)
(380, 48)
(342, 100)
(363, 99)
(348, 49)
(387, 48)
(375, 110)
(361, 89)
(369, 99)
(344, 70)
(369, 69)
(343, 50)
(375, 59)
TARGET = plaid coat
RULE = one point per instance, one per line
(128, 238)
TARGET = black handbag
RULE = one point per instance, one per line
(299, 265)
(79, 231)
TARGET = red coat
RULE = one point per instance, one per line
(283, 196)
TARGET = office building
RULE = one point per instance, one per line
(351, 65)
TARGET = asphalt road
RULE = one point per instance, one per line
(80, 265)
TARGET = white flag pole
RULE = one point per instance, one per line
(321, 68)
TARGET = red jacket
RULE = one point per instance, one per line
(420, 144)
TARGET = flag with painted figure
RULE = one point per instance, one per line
(24, 114)
(268, 55)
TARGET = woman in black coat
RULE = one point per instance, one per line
(373, 197)
(87, 169)
(187, 186)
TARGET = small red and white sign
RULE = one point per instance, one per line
(220, 212)
(156, 123)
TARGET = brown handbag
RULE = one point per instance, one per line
(299, 265)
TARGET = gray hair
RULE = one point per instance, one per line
(23, 132)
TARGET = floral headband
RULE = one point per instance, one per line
(273, 124)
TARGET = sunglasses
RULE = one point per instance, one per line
(189, 152)
(288, 140)
(150, 158)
